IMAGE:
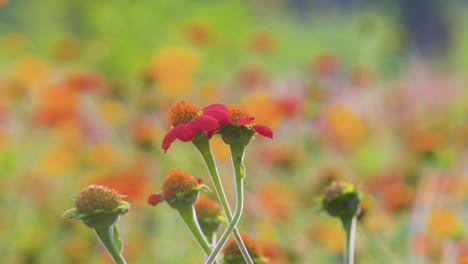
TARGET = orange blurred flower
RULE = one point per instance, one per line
(279, 155)
(423, 140)
(56, 102)
(253, 76)
(83, 81)
(130, 182)
(275, 253)
(173, 69)
(262, 41)
(199, 32)
(393, 192)
(291, 106)
(362, 76)
(325, 64)
(276, 200)
(462, 260)
(265, 109)
(422, 244)
(345, 125)
(232, 254)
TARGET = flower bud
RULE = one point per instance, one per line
(233, 134)
(98, 206)
(232, 254)
(179, 189)
(341, 199)
(209, 215)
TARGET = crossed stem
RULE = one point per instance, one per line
(203, 147)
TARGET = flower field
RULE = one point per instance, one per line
(351, 92)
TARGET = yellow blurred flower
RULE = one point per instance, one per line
(58, 160)
(31, 71)
(345, 124)
(77, 248)
(13, 42)
(444, 222)
(265, 109)
(105, 155)
(173, 69)
(3, 139)
(113, 112)
(10, 92)
(209, 92)
(330, 234)
(68, 133)
(219, 148)
(66, 48)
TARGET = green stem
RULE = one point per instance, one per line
(203, 147)
(106, 236)
(237, 155)
(349, 226)
(188, 216)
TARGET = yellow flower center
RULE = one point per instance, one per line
(182, 112)
(236, 112)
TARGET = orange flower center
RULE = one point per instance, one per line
(182, 112)
(236, 112)
(178, 181)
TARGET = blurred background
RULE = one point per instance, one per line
(371, 92)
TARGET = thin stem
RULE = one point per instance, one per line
(106, 236)
(213, 239)
(349, 226)
(203, 147)
(237, 155)
(188, 216)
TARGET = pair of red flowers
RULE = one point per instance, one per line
(187, 120)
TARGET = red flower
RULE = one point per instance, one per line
(187, 120)
(240, 117)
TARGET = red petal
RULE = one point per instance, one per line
(218, 112)
(204, 122)
(186, 132)
(167, 193)
(246, 120)
(263, 130)
(154, 199)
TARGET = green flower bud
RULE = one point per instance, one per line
(233, 134)
(341, 199)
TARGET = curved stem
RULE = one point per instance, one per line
(188, 216)
(107, 238)
(203, 147)
(349, 226)
(237, 156)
